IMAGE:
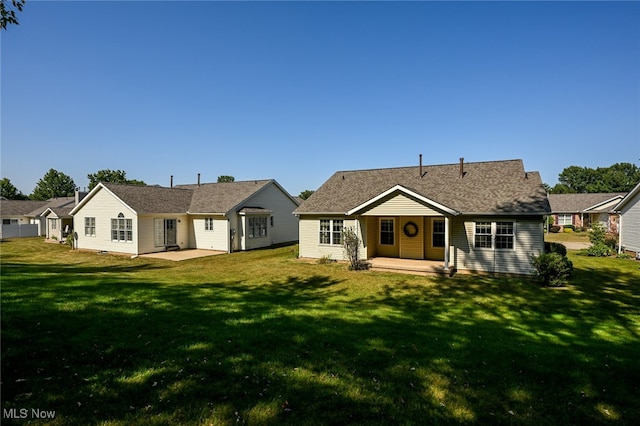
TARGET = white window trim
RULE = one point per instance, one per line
(331, 231)
(126, 229)
(393, 220)
(251, 232)
(562, 219)
(494, 234)
(443, 233)
(90, 225)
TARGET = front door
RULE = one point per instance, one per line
(170, 232)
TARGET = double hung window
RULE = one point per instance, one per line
(494, 235)
(387, 232)
(122, 229)
(90, 226)
(331, 231)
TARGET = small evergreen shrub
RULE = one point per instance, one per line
(552, 269)
(555, 229)
(568, 228)
(555, 248)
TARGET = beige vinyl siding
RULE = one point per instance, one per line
(104, 207)
(529, 240)
(218, 239)
(285, 223)
(310, 246)
(630, 225)
(411, 247)
(401, 204)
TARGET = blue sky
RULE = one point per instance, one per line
(298, 90)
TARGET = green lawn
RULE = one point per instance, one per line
(263, 338)
(564, 237)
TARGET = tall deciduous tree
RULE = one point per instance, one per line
(306, 194)
(620, 177)
(53, 184)
(111, 176)
(8, 11)
(225, 178)
(10, 192)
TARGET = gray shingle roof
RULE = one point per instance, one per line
(493, 187)
(575, 203)
(222, 197)
(52, 203)
(205, 198)
(152, 199)
(21, 207)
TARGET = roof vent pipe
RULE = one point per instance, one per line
(198, 180)
(420, 165)
(171, 181)
(461, 167)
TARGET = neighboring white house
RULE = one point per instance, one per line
(484, 216)
(25, 218)
(629, 226)
(227, 216)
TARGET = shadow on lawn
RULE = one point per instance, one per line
(302, 351)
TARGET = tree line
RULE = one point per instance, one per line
(620, 177)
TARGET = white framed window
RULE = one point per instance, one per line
(387, 231)
(257, 227)
(331, 231)
(90, 226)
(122, 229)
(208, 224)
(54, 224)
(499, 235)
(438, 233)
(565, 219)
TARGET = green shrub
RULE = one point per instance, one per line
(559, 248)
(568, 228)
(552, 269)
(599, 250)
(555, 229)
(611, 240)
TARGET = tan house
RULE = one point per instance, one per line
(482, 216)
(582, 210)
(214, 216)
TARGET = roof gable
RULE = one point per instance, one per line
(222, 197)
(400, 198)
(496, 187)
(627, 198)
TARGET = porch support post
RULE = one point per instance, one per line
(446, 243)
